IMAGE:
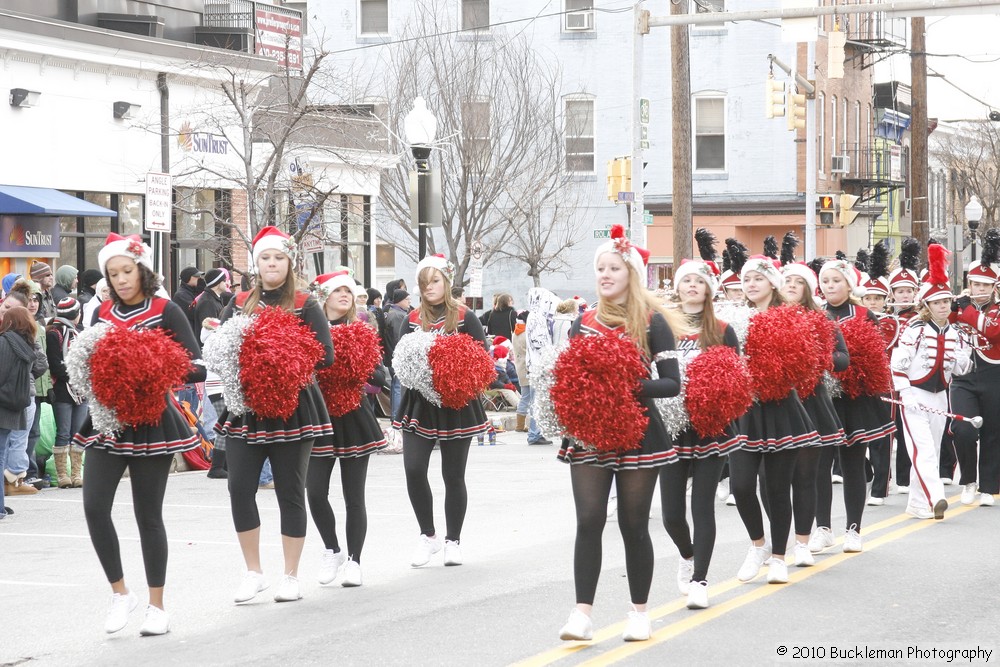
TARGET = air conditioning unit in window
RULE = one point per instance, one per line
(580, 21)
(840, 164)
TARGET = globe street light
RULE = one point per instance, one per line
(973, 214)
(420, 127)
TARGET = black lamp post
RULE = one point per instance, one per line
(421, 127)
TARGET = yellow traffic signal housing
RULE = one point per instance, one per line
(847, 214)
(796, 111)
(619, 177)
(775, 98)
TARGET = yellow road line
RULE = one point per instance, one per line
(614, 631)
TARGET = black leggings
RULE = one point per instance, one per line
(804, 488)
(148, 476)
(705, 475)
(416, 462)
(353, 474)
(289, 461)
(591, 486)
(779, 468)
(852, 464)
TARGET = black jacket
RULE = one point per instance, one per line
(183, 297)
(209, 305)
(499, 322)
(16, 359)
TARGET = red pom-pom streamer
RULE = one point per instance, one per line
(868, 373)
(133, 369)
(718, 390)
(594, 393)
(462, 369)
(780, 350)
(356, 354)
(277, 360)
(824, 340)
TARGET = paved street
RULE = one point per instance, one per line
(924, 584)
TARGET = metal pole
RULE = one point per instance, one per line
(422, 156)
(811, 133)
(638, 233)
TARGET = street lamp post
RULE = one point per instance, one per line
(973, 214)
(420, 127)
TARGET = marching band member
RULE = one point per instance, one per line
(876, 292)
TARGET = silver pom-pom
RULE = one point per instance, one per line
(409, 363)
(78, 358)
(832, 384)
(737, 315)
(543, 411)
(222, 356)
(672, 410)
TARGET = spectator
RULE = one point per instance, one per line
(374, 298)
(87, 288)
(192, 284)
(519, 350)
(390, 289)
(538, 329)
(209, 303)
(19, 363)
(8, 282)
(66, 282)
(68, 407)
(395, 320)
(566, 313)
(41, 273)
(499, 321)
(101, 293)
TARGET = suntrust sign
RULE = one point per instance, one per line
(29, 236)
(191, 141)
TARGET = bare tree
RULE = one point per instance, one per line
(501, 148)
(972, 157)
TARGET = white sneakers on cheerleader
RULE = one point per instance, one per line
(777, 571)
(698, 595)
(852, 541)
(157, 622)
(350, 574)
(875, 501)
(637, 627)
(722, 492)
(802, 555)
(426, 547)
(329, 565)
(753, 562)
(118, 610)
(252, 583)
(820, 540)
(288, 590)
(968, 494)
(452, 553)
(685, 570)
(986, 500)
(902, 490)
(578, 627)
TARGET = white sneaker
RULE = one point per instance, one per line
(329, 565)
(969, 494)
(777, 571)
(698, 595)
(947, 481)
(875, 501)
(731, 500)
(852, 541)
(350, 574)
(157, 622)
(118, 610)
(637, 628)
(902, 490)
(837, 479)
(820, 540)
(288, 590)
(253, 583)
(919, 512)
(803, 556)
(426, 547)
(578, 627)
(452, 553)
(939, 509)
(685, 570)
(722, 492)
(986, 500)
(753, 562)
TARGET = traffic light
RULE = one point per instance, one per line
(847, 212)
(826, 210)
(775, 98)
(835, 42)
(619, 177)
(796, 111)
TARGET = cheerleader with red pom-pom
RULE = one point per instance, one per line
(424, 424)
(779, 351)
(865, 417)
(701, 458)
(280, 423)
(626, 312)
(356, 433)
(146, 450)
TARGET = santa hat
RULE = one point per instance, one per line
(802, 270)
(67, 308)
(125, 246)
(850, 273)
(632, 254)
(272, 238)
(499, 340)
(325, 284)
(439, 262)
(935, 284)
(767, 267)
(707, 271)
(500, 352)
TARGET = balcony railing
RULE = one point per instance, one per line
(874, 30)
(879, 165)
(254, 27)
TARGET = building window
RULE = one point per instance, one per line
(710, 133)
(821, 133)
(475, 14)
(857, 126)
(579, 16)
(710, 6)
(373, 16)
(476, 131)
(846, 137)
(833, 125)
(579, 132)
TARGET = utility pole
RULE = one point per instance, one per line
(680, 131)
(918, 133)
(811, 137)
(637, 225)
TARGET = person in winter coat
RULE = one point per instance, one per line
(538, 332)
(501, 319)
(87, 286)
(519, 350)
(17, 356)
(69, 408)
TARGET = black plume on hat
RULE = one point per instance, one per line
(817, 265)
(991, 247)
(862, 262)
(738, 254)
(706, 244)
(788, 245)
(771, 247)
(725, 261)
(841, 255)
(879, 261)
(909, 254)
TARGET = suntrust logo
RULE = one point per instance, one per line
(20, 237)
(200, 142)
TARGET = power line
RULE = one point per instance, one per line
(960, 89)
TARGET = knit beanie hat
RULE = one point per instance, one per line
(399, 295)
(39, 270)
(68, 308)
(214, 277)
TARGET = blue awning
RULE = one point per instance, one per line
(20, 200)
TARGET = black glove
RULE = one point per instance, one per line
(961, 303)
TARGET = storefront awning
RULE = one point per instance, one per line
(20, 200)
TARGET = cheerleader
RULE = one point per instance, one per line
(424, 424)
(800, 286)
(775, 430)
(288, 443)
(865, 419)
(627, 308)
(978, 393)
(701, 459)
(929, 353)
(147, 452)
(356, 435)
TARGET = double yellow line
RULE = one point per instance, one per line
(696, 619)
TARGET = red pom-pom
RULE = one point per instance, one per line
(594, 393)
(356, 354)
(824, 340)
(461, 367)
(718, 390)
(780, 350)
(868, 373)
(133, 369)
(277, 360)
